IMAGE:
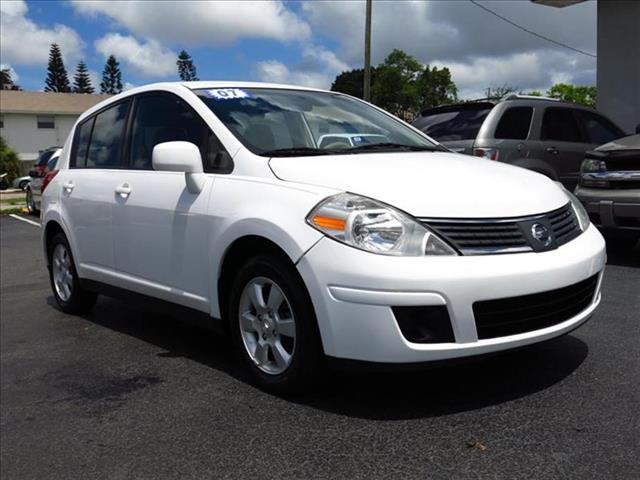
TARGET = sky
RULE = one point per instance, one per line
(304, 42)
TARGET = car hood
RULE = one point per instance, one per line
(429, 184)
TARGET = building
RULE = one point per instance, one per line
(33, 121)
(618, 64)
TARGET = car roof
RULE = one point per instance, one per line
(489, 103)
(176, 87)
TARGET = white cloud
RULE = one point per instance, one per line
(317, 68)
(14, 75)
(23, 42)
(201, 22)
(481, 49)
(149, 58)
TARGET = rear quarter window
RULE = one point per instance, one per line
(463, 124)
(514, 124)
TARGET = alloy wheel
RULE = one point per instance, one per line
(267, 325)
(62, 273)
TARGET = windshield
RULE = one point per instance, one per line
(277, 122)
(463, 124)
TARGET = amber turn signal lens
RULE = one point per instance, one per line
(329, 222)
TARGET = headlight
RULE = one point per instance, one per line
(590, 165)
(590, 171)
(578, 209)
(375, 227)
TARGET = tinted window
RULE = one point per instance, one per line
(560, 124)
(44, 157)
(166, 118)
(454, 125)
(599, 129)
(514, 124)
(83, 135)
(107, 137)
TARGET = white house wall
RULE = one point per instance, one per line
(23, 135)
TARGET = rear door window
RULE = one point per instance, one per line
(514, 124)
(560, 124)
(107, 138)
(463, 124)
(599, 129)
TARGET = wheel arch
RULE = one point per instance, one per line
(236, 253)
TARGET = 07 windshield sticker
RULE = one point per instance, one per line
(227, 93)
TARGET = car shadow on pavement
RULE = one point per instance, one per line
(436, 391)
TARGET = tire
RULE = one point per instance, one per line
(306, 362)
(63, 276)
(31, 204)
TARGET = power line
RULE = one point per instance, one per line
(530, 31)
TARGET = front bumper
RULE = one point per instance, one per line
(609, 208)
(353, 292)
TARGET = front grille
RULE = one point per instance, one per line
(513, 315)
(508, 235)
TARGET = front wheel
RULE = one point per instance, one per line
(274, 326)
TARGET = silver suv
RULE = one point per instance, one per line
(538, 133)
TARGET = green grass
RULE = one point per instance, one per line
(15, 201)
(8, 211)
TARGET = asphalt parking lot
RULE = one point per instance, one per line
(127, 393)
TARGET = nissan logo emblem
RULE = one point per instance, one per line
(541, 233)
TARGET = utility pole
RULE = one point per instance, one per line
(367, 53)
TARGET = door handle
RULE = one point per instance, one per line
(68, 186)
(123, 190)
(553, 150)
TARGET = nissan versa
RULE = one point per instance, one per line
(220, 197)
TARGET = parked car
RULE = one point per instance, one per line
(43, 159)
(610, 189)
(216, 197)
(21, 182)
(542, 134)
(40, 178)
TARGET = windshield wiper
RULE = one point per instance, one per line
(294, 152)
(392, 146)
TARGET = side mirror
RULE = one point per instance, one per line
(180, 157)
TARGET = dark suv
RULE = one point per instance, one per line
(538, 133)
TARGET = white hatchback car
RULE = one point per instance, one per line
(218, 198)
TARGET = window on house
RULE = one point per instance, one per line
(46, 121)
(1, 121)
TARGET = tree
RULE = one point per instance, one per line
(186, 68)
(501, 91)
(435, 87)
(81, 80)
(395, 87)
(111, 77)
(582, 94)
(9, 161)
(57, 79)
(351, 82)
(401, 85)
(6, 81)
